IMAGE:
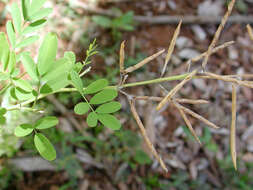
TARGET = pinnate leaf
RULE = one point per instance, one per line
(44, 147)
(30, 66)
(23, 130)
(109, 107)
(46, 122)
(105, 95)
(96, 86)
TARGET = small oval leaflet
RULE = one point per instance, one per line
(96, 86)
(109, 107)
(92, 119)
(3, 111)
(105, 95)
(44, 147)
(2, 120)
(46, 122)
(23, 130)
(77, 81)
(109, 121)
(81, 108)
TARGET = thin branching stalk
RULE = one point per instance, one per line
(197, 116)
(176, 89)
(233, 127)
(145, 136)
(171, 48)
(143, 62)
(217, 33)
(188, 123)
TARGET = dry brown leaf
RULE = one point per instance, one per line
(250, 31)
(171, 47)
(233, 126)
(122, 57)
(143, 62)
(218, 32)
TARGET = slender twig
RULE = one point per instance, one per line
(143, 62)
(145, 136)
(122, 57)
(176, 89)
(217, 33)
(171, 47)
(199, 117)
(233, 125)
(250, 32)
(188, 123)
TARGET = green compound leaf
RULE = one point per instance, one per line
(109, 107)
(81, 108)
(109, 121)
(105, 95)
(23, 84)
(96, 86)
(34, 26)
(46, 122)
(4, 50)
(27, 41)
(30, 66)
(2, 120)
(77, 81)
(11, 33)
(47, 53)
(16, 15)
(23, 130)
(40, 14)
(92, 119)
(3, 111)
(44, 147)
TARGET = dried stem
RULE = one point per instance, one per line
(171, 47)
(218, 32)
(145, 136)
(122, 57)
(233, 125)
(145, 61)
(186, 110)
(188, 123)
(250, 31)
(176, 89)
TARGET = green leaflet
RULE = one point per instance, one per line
(3, 111)
(30, 66)
(47, 53)
(12, 62)
(10, 32)
(109, 107)
(4, 50)
(96, 86)
(46, 122)
(92, 119)
(2, 120)
(34, 26)
(105, 95)
(40, 14)
(25, 4)
(23, 84)
(109, 121)
(4, 76)
(36, 5)
(70, 56)
(21, 95)
(27, 41)
(102, 21)
(81, 108)
(141, 157)
(23, 130)
(44, 147)
(77, 81)
(16, 16)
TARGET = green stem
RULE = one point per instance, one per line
(159, 80)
